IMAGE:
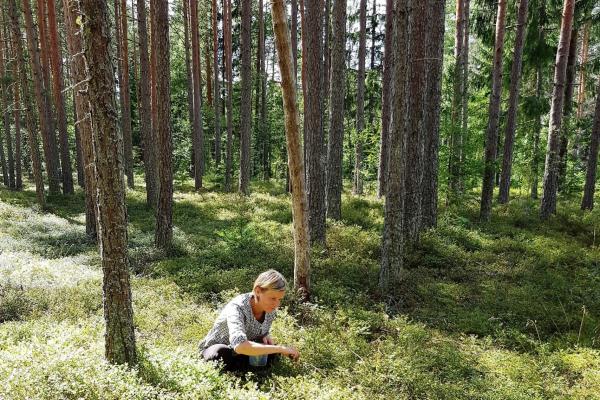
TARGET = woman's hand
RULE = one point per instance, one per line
(268, 340)
(291, 353)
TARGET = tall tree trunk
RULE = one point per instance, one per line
(246, 94)
(337, 93)
(59, 101)
(4, 103)
(392, 243)
(294, 33)
(463, 137)
(567, 110)
(30, 122)
(79, 73)
(294, 150)
(217, 86)
(535, 159)
(313, 129)
(197, 134)
(160, 43)
(229, 78)
(431, 126)
(78, 149)
(326, 64)
(388, 65)
(42, 100)
(585, 45)
(146, 132)
(587, 203)
(491, 140)
(123, 47)
(416, 116)
(112, 214)
(260, 134)
(209, 73)
(548, 205)
(266, 150)
(188, 68)
(17, 118)
(513, 101)
(357, 187)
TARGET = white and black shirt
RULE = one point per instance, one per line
(236, 324)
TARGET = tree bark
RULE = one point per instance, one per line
(392, 243)
(229, 78)
(294, 150)
(125, 94)
(548, 205)
(188, 68)
(431, 127)
(357, 186)
(112, 214)
(513, 102)
(294, 33)
(17, 118)
(326, 64)
(246, 96)
(535, 159)
(587, 203)
(567, 110)
(4, 103)
(337, 92)
(146, 132)
(491, 141)
(217, 85)
(59, 101)
(313, 129)
(30, 122)
(197, 133)
(160, 43)
(585, 45)
(388, 65)
(42, 101)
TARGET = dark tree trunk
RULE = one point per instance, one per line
(294, 150)
(188, 68)
(124, 93)
(42, 100)
(30, 123)
(266, 144)
(392, 243)
(326, 65)
(567, 111)
(313, 129)
(112, 214)
(465, 94)
(535, 159)
(587, 203)
(491, 140)
(209, 73)
(79, 75)
(160, 44)
(229, 78)
(513, 101)
(4, 103)
(294, 33)
(78, 149)
(585, 45)
(337, 93)
(388, 65)
(431, 127)
(146, 132)
(357, 187)
(217, 85)
(59, 101)
(197, 134)
(17, 118)
(246, 94)
(556, 111)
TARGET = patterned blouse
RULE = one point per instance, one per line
(236, 324)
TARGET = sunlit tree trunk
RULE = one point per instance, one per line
(548, 205)
(294, 150)
(567, 111)
(388, 62)
(513, 100)
(587, 202)
(491, 138)
(112, 215)
(357, 186)
(246, 96)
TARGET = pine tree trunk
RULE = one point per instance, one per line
(357, 187)
(160, 44)
(266, 150)
(431, 127)
(567, 111)
(548, 205)
(259, 132)
(229, 78)
(197, 134)
(79, 73)
(388, 65)
(17, 118)
(491, 141)
(294, 150)
(326, 65)
(209, 74)
(313, 129)
(29, 112)
(123, 47)
(337, 93)
(78, 149)
(42, 101)
(246, 96)
(59, 101)
(535, 159)
(587, 203)
(513, 101)
(146, 132)
(112, 214)
(217, 86)
(585, 45)
(188, 68)
(392, 243)
(294, 33)
(4, 103)
(463, 137)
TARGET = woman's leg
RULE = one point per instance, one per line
(224, 353)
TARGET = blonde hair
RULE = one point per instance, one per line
(270, 280)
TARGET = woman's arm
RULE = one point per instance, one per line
(249, 348)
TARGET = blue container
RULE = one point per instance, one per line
(259, 361)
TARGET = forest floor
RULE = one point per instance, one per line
(506, 310)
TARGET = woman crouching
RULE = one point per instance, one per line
(240, 336)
